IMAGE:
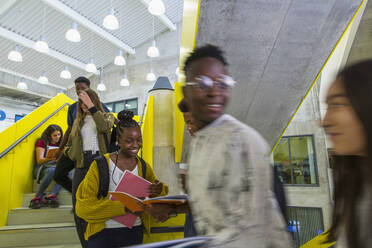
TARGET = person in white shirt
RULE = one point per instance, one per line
(230, 179)
(88, 139)
(95, 206)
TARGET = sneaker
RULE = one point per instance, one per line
(52, 201)
(35, 203)
(44, 203)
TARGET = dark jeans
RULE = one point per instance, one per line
(79, 175)
(190, 230)
(46, 179)
(64, 166)
(116, 237)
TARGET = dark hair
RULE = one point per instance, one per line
(349, 171)
(182, 105)
(125, 121)
(46, 136)
(204, 52)
(80, 115)
(82, 80)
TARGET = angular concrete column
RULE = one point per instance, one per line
(275, 49)
(163, 142)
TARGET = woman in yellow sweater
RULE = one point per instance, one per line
(98, 212)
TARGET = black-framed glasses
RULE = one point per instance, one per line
(204, 83)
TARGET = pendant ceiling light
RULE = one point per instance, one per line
(66, 74)
(150, 76)
(15, 55)
(153, 51)
(156, 7)
(101, 86)
(110, 21)
(41, 45)
(22, 84)
(124, 81)
(43, 79)
(91, 67)
(73, 34)
(120, 60)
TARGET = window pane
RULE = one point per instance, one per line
(282, 161)
(302, 157)
(119, 106)
(131, 104)
(110, 106)
(304, 224)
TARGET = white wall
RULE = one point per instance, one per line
(12, 108)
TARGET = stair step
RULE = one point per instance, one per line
(64, 198)
(77, 245)
(38, 235)
(25, 215)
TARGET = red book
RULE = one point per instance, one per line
(136, 186)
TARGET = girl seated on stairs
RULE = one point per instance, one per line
(45, 166)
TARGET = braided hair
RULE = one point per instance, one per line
(125, 121)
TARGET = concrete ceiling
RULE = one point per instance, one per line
(21, 22)
(275, 50)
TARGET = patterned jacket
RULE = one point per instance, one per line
(231, 187)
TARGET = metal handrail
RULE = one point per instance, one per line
(31, 131)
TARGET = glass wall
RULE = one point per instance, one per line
(130, 104)
(294, 158)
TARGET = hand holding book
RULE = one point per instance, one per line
(158, 211)
(155, 188)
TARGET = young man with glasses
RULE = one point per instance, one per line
(230, 180)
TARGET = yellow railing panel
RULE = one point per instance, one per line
(147, 129)
(179, 123)
(17, 165)
(318, 242)
(189, 30)
(171, 222)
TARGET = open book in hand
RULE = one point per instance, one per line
(130, 201)
(51, 151)
(136, 186)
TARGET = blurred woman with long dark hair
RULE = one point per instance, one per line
(348, 122)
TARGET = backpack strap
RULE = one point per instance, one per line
(103, 175)
(106, 142)
(143, 163)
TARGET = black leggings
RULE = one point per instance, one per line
(116, 237)
(64, 166)
(79, 175)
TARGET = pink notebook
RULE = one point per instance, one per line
(136, 186)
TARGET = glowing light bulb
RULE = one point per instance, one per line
(110, 21)
(66, 74)
(73, 34)
(41, 45)
(91, 67)
(156, 7)
(15, 55)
